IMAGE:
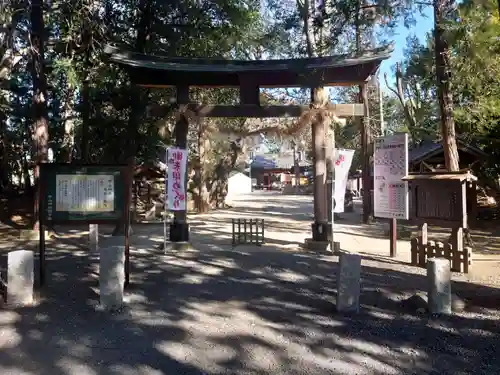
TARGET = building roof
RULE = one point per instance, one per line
(259, 161)
(283, 161)
(433, 176)
(337, 70)
(432, 148)
(286, 162)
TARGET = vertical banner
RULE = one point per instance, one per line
(390, 166)
(165, 204)
(343, 161)
(176, 178)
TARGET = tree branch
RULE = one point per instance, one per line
(9, 60)
(391, 88)
(303, 6)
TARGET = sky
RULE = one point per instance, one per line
(423, 25)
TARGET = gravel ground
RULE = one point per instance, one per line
(217, 310)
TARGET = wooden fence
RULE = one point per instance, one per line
(248, 231)
(460, 261)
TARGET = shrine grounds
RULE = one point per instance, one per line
(270, 310)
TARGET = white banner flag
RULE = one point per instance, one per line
(343, 161)
(176, 178)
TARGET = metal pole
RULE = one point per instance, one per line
(250, 175)
(381, 108)
(296, 169)
(333, 208)
(334, 157)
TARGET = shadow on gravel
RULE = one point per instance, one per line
(246, 310)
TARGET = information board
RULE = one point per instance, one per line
(83, 193)
(390, 166)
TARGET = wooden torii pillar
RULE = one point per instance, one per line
(179, 228)
(319, 125)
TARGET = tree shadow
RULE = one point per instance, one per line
(218, 310)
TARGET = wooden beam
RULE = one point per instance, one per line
(182, 94)
(428, 166)
(249, 92)
(164, 86)
(348, 110)
(255, 111)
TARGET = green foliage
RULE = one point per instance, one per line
(333, 23)
(475, 79)
(92, 104)
(78, 30)
(477, 67)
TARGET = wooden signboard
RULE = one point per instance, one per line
(87, 194)
(439, 198)
(84, 194)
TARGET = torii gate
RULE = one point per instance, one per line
(249, 76)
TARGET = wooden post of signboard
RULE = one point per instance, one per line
(393, 237)
(41, 231)
(127, 253)
(128, 202)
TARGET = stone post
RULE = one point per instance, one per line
(112, 277)
(348, 282)
(20, 277)
(93, 237)
(439, 284)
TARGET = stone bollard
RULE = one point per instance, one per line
(439, 292)
(111, 277)
(94, 237)
(348, 282)
(20, 278)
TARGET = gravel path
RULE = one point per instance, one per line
(216, 310)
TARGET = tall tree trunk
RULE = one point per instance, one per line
(86, 109)
(69, 126)
(319, 98)
(137, 107)
(86, 100)
(25, 173)
(4, 155)
(202, 195)
(136, 99)
(366, 134)
(442, 8)
(40, 129)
